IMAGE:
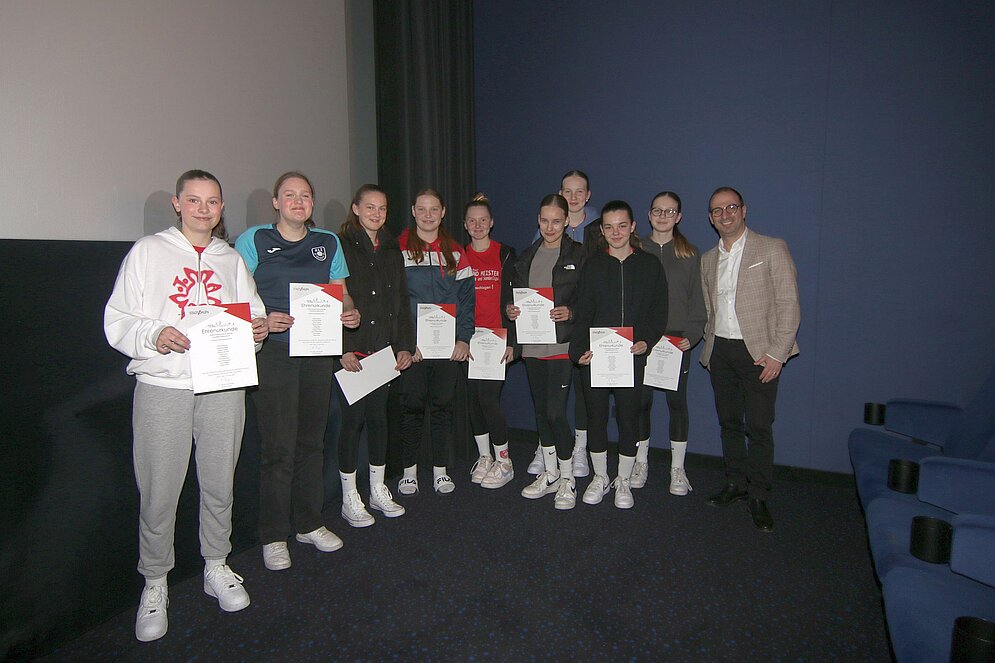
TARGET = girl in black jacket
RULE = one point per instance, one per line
(622, 286)
(553, 260)
(377, 279)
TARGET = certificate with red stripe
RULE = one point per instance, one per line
(611, 357)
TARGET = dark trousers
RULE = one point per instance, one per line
(677, 404)
(371, 412)
(549, 381)
(745, 406)
(429, 383)
(580, 405)
(486, 416)
(628, 402)
(291, 414)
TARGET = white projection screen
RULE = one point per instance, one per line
(103, 103)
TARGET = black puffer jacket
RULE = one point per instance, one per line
(379, 288)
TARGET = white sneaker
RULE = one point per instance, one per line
(566, 494)
(354, 511)
(226, 586)
(500, 474)
(581, 468)
(322, 539)
(479, 469)
(623, 494)
(544, 484)
(597, 490)
(679, 484)
(444, 485)
(407, 486)
(151, 622)
(537, 466)
(382, 500)
(276, 557)
(640, 473)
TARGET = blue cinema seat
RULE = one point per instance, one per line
(921, 604)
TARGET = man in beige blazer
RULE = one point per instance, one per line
(751, 297)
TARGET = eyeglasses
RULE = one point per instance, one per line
(732, 208)
(657, 212)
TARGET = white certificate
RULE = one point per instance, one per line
(663, 366)
(436, 330)
(222, 352)
(534, 325)
(317, 312)
(611, 360)
(487, 348)
(378, 370)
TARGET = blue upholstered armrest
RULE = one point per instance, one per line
(928, 421)
(973, 550)
(958, 485)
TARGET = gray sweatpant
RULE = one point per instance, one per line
(166, 422)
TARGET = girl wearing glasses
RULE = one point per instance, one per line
(685, 320)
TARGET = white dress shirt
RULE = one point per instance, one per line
(726, 323)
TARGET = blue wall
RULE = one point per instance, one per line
(862, 133)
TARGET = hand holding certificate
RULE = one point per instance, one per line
(487, 348)
(663, 366)
(534, 325)
(375, 371)
(611, 357)
(317, 312)
(436, 333)
(222, 352)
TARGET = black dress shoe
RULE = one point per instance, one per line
(762, 519)
(731, 493)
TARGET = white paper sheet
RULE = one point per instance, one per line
(317, 312)
(534, 326)
(436, 333)
(487, 348)
(378, 370)
(663, 365)
(611, 361)
(222, 352)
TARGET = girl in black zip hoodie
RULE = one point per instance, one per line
(621, 286)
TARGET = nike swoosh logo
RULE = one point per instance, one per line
(273, 250)
(564, 386)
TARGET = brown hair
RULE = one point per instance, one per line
(618, 206)
(289, 175)
(351, 222)
(682, 247)
(417, 246)
(219, 230)
(479, 200)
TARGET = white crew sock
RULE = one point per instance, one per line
(411, 472)
(599, 461)
(625, 464)
(677, 450)
(642, 451)
(208, 565)
(501, 452)
(348, 482)
(438, 471)
(549, 461)
(566, 468)
(160, 581)
(483, 444)
(376, 475)
(580, 440)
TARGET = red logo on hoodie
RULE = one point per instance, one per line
(189, 283)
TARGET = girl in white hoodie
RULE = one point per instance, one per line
(162, 274)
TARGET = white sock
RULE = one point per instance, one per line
(549, 461)
(501, 452)
(411, 472)
(625, 464)
(580, 439)
(642, 451)
(376, 475)
(539, 449)
(348, 482)
(208, 565)
(599, 461)
(566, 468)
(483, 444)
(438, 471)
(160, 581)
(677, 450)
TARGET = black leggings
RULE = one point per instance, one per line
(549, 380)
(428, 383)
(628, 400)
(486, 416)
(371, 411)
(580, 407)
(677, 403)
